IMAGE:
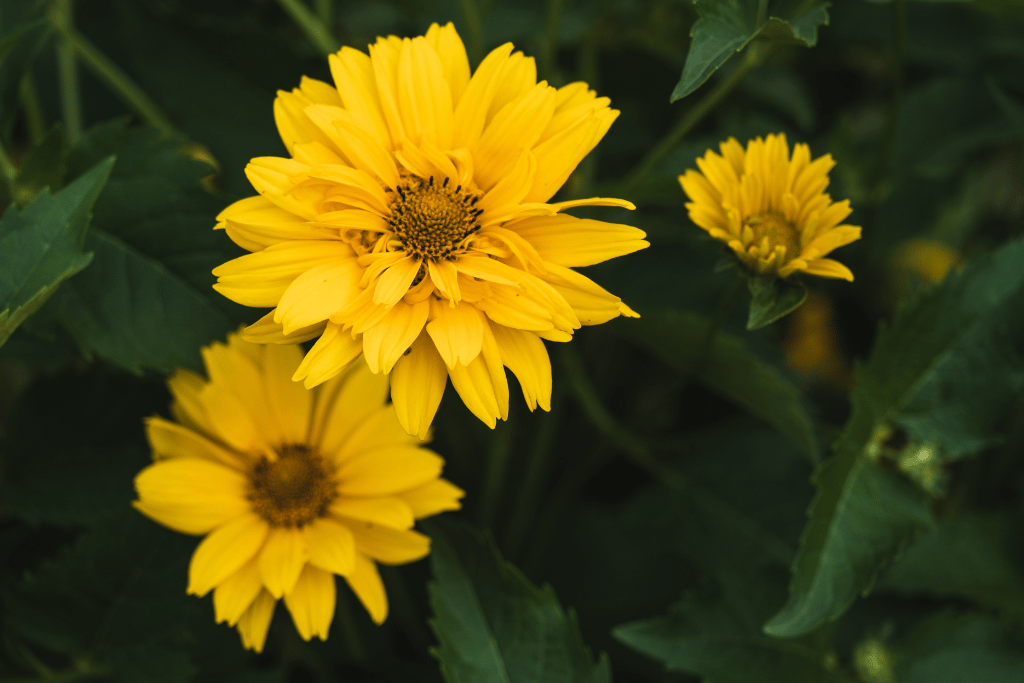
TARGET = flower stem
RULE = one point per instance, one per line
(535, 479)
(29, 96)
(315, 29)
(474, 30)
(325, 10)
(67, 70)
(8, 169)
(108, 72)
(494, 477)
(693, 116)
(549, 48)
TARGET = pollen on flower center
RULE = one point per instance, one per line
(432, 219)
(772, 236)
(293, 490)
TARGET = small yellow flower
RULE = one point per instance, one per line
(772, 210)
(289, 486)
(412, 225)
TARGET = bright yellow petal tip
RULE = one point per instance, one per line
(412, 225)
(288, 486)
(771, 208)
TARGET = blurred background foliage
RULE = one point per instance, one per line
(834, 497)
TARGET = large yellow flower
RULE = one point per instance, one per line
(290, 486)
(770, 209)
(411, 224)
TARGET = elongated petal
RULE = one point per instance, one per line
(318, 294)
(345, 403)
(282, 558)
(482, 383)
(433, 497)
(385, 342)
(266, 331)
(458, 332)
(311, 603)
(224, 552)
(191, 495)
(388, 470)
(290, 405)
(331, 354)
(235, 594)
(576, 242)
(524, 354)
(417, 385)
(391, 512)
(366, 584)
(331, 546)
(172, 440)
(390, 546)
(255, 623)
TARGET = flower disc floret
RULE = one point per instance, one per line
(412, 224)
(290, 487)
(771, 209)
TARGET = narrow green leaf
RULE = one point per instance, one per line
(729, 370)
(493, 625)
(716, 637)
(725, 27)
(148, 302)
(945, 372)
(41, 246)
(772, 298)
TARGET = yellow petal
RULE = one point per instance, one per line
(458, 332)
(388, 470)
(255, 623)
(471, 109)
(172, 440)
(577, 242)
(344, 403)
(377, 430)
(559, 155)
(225, 551)
(482, 383)
(390, 546)
(826, 267)
(394, 282)
(454, 64)
(366, 584)
(353, 76)
(266, 331)
(331, 545)
(332, 353)
(386, 341)
(524, 354)
(318, 294)
(235, 594)
(433, 497)
(514, 128)
(261, 278)
(591, 303)
(417, 384)
(255, 223)
(385, 54)
(366, 151)
(385, 511)
(290, 405)
(311, 603)
(424, 100)
(190, 495)
(272, 178)
(189, 409)
(282, 558)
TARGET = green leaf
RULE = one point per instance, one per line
(772, 298)
(114, 600)
(725, 27)
(148, 301)
(967, 557)
(729, 370)
(41, 246)
(73, 445)
(960, 648)
(945, 372)
(716, 636)
(493, 624)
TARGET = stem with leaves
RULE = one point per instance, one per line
(67, 70)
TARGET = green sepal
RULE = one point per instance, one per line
(772, 298)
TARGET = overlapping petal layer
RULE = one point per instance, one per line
(289, 486)
(771, 208)
(411, 225)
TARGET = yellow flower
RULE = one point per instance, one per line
(772, 210)
(289, 486)
(412, 224)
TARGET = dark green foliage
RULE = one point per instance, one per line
(41, 246)
(493, 624)
(148, 302)
(772, 298)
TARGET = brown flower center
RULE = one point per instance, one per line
(769, 231)
(432, 219)
(293, 490)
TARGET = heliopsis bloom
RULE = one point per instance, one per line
(771, 209)
(289, 486)
(412, 225)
